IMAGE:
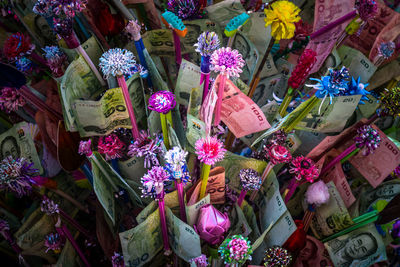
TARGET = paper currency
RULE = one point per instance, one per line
(239, 224)
(188, 78)
(313, 254)
(196, 129)
(357, 63)
(281, 231)
(265, 89)
(68, 256)
(156, 78)
(329, 117)
(91, 47)
(96, 118)
(223, 12)
(332, 216)
(384, 74)
(385, 191)
(326, 12)
(192, 211)
(239, 112)
(159, 42)
(361, 247)
(185, 242)
(249, 53)
(142, 243)
(132, 169)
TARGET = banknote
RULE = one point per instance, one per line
(313, 254)
(378, 165)
(239, 112)
(68, 256)
(295, 203)
(184, 240)
(215, 187)
(242, 86)
(97, 118)
(357, 63)
(369, 108)
(332, 216)
(239, 224)
(385, 191)
(132, 169)
(196, 129)
(91, 47)
(188, 78)
(140, 244)
(224, 11)
(78, 82)
(192, 210)
(195, 101)
(361, 247)
(326, 117)
(158, 82)
(265, 89)
(159, 42)
(249, 53)
(17, 142)
(384, 74)
(251, 219)
(326, 12)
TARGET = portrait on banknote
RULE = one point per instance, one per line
(385, 191)
(313, 254)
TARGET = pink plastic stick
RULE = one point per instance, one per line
(63, 230)
(181, 198)
(267, 170)
(241, 197)
(177, 43)
(338, 158)
(122, 84)
(75, 224)
(164, 232)
(218, 106)
(333, 24)
(206, 85)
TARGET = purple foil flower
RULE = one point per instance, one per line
(207, 42)
(250, 179)
(85, 148)
(117, 260)
(146, 147)
(111, 146)
(386, 50)
(184, 9)
(200, 261)
(49, 207)
(212, 225)
(209, 150)
(227, 61)
(277, 256)
(68, 7)
(153, 182)
(116, 62)
(54, 241)
(162, 102)
(368, 139)
(367, 9)
(304, 169)
(236, 249)
(16, 176)
(176, 164)
(10, 99)
(55, 59)
(63, 26)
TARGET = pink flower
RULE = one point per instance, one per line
(210, 150)
(278, 154)
(111, 146)
(227, 61)
(302, 69)
(10, 99)
(85, 148)
(304, 168)
(317, 194)
(153, 182)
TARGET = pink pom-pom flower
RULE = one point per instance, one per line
(111, 146)
(304, 169)
(10, 99)
(210, 150)
(317, 194)
(85, 148)
(227, 61)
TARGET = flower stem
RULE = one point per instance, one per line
(205, 172)
(128, 102)
(164, 128)
(241, 197)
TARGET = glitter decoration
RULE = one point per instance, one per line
(250, 179)
(10, 99)
(24, 64)
(184, 9)
(53, 241)
(44, 8)
(317, 194)
(111, 146)
(16, 176)
(277, 256)
(304, 169)
(277, 154)
(162, 101)
(85, 148)
(339, 78)
(227, 61)
(390, 101)
(282, 16)
(49, 207)
(367, 9)
(207, 43)
(63, 26)
(302, 69)
(55, 59)
(358, 88)
(236, 249)
(116, 62)
(176, 164)
(386, 50)
(200, 261)
(209, 150)
(153, 182)
(117, 260)
(17, 45)
(368, 139)
(68, 7)
(146, 147)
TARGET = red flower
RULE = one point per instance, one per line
(17, 45)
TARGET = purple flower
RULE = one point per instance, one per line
(85, 148)
(395, 231)
(162, 102)
(147, 147)
(10, 99)
(304, 169)
(209, 150)
(68, 7)
(184, 9)
(54, 241)
(277, 154)
(133, 29)
(176, 164)
(44, 8)
(49, 207)
(117, 260)
(153, 182)
(200, 261)
(207, 42)
(250, 179)
(63, 26)
(386, 50)
(116, 62)
(227, 61)
(4, 226)
(236, 249)
(277, 256)
(111, 146)
(55, 59)
(368, 139)
(16, 176)
(367, 9)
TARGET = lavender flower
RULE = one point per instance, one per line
(116, 62)
(250, 179)
(184, 9)
(85, 148)
(49, 207)
(368, 139)
(227, 61)
(44, 8)
(162, 102)
(207, 42)
(153, 182)
(68, 7)
(55, 59)
(146, 147)
(386, 50)
(200, 261)
(133, 29)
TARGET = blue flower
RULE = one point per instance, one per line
(358, 88)
(325, 88)
(117, 62)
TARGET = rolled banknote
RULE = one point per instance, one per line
(385, 191)
(188, 78)
(358, 64)
(313, 254)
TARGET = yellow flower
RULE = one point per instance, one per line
(282, 15)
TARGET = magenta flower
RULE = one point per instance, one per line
(304, 169)
(153, 182)
(54, 241)
(111, 146)
(278, 154)
(10, 99)
(162, 102)
(49, 207)
(200, 261)
(227, 61)
(146, 147)
(368, 139)
(210, 150)
(85, 148)
(117, 260)
(236, 249)
(367, 9)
